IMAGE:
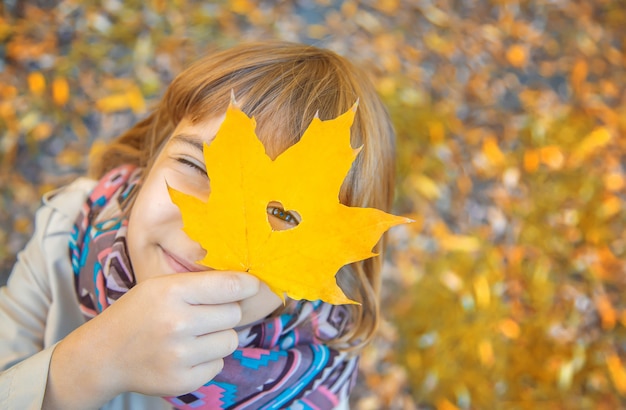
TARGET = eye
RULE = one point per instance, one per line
(282, 214)
(279, 213)
(192, 165)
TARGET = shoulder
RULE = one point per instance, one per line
(68, 199)
(55, 218)
(61, 207)
(54, 221)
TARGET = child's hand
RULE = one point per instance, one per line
(167, 336)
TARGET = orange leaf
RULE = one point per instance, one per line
(579, 74)
(113, 103)
(135, 100)
(60, 91)
(531, 160)
(611, 205)
(606, 311)
(42, 131)
(552, 156)
(492, 152)
(597, 139)
(233, 227)
(516, 56)
(614, 181)
(242, 6)
(483, 294)
(425, 186)
(617, 372)
(387, 6)
(437, 132)
(444, 404)
(460, 243)
(36, 83)
(510, 328)
(485, 352)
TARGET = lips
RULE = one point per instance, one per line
(180, 264)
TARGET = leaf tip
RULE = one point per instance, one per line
(173, 192)
(355, 106)
(281, 294)
(342, 300)
(233, 100)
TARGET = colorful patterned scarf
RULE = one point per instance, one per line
(281, 361)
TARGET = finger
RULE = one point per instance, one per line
(208, 370)
(216, 287)
(205, 372)
(206, 319)
(213, 346)
(193, 378)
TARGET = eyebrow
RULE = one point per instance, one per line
(189, 139)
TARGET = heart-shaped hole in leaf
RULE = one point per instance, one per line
(279, 219)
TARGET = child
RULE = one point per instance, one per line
(128, 317)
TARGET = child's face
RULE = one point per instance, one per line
(156, 242)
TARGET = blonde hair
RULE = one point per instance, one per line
(283, 85)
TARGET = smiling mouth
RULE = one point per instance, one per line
(181, 265)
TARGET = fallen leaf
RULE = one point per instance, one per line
(617, 372)
(552, 156)
(485, 352)
(608, 315)
(36, 83)
(597, 139)
(242, 6)
(459, 243)
(614, 181)
(60, 91)
(579, 74)
(425, 186)
(42, 131)
(113, 103)
(510, 328)
(444, 404)
(233, 227)
(135, 100)
(516, 56)
(492, 152)
(531, 160)
(483, 294)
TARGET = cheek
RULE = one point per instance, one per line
(153, 214)
(153, 203)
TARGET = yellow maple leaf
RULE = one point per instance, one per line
(233, 226)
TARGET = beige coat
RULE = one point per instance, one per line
(38, 307)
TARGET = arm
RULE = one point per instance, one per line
(31, 307)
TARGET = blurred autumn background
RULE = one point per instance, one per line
(507, 293)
